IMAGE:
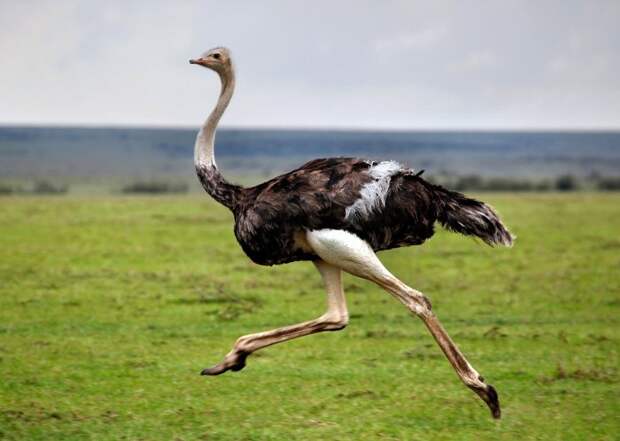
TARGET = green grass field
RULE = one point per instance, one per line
(110, 307)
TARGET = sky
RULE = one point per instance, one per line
(321, 64)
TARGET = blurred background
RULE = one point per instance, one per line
(98, 97)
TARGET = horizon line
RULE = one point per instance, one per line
(196, 127)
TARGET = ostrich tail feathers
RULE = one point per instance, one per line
(470, 217)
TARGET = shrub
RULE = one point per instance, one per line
(155, 187)
(471, 182)
(46, 187)
(507, 184)
(608, 184)
(6, 189)
(566, 183)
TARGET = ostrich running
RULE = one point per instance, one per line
(337, 213)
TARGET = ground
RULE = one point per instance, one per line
(110, 307)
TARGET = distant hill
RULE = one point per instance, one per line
(28, 152)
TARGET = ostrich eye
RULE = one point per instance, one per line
(216, 56)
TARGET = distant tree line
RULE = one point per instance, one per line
(560, 183)
(458, 183)
(45, 187)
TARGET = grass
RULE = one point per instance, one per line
(110, 307)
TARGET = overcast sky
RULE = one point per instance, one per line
(376, 64)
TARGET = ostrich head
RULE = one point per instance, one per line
(217, 59)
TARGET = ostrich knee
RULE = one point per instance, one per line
(334, 321)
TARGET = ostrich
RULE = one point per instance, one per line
(337, 213)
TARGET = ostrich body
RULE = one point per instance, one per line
(337, 213)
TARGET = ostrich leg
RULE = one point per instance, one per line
(334, 319)
(355, 256)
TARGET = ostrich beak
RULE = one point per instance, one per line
(200, 61)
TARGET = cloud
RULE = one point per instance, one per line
(477, 61)
(422, 40)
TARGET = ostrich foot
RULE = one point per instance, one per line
(489, 396)
(233, 362)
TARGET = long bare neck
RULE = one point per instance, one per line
(213, 182)
(204, 150)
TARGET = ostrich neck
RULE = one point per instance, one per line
(212, 181)
(204, 154)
